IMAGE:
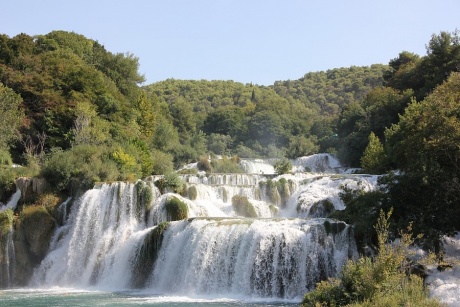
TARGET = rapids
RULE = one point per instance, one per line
(251, 235)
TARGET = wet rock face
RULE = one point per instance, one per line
(34, 229)
(31, 188)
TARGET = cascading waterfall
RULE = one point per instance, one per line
(97, 245)
(122, 236)
(262, 258)
(7, 258)
(7, 252)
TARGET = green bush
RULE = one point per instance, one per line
(6, 222)
(204, 164)
(272, 191)
(176, 209)
(243, 206)
(361, 211)
(86, 164)
(192, 192)
(5, 157)
(172, 182)
(7, 183)
(322, 208)
(144, 197)
(283, 166)
(226, 165)
(50, 202)
(162, 162)
(372, 282)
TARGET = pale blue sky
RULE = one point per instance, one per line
(246, 41)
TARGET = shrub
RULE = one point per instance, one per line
(162, 163)
(144, 197)
(176, 209)
(192, 192)
(7, 183)
(272, 191)
(5, 157)
(204, 164)
(226, 165)
(188, 171)
(322, 208)
(372, 282)
(6, 222)
(50, 202)
(283, 166)
(246, 152)
(361, 210)
(170, 181)
(85, 163)
(243, 206)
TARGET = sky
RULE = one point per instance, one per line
(248, 41)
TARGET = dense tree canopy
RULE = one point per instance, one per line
(65, 98)
(11, 116)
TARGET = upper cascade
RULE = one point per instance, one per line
(318, 163)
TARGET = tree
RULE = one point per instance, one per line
(300, 146)
(283, 166)
(267, 128)
(425, 146)
(183, 119)
(147, 116)
(373, 159)
(11, 115)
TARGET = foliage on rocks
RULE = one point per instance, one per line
(176, 209)
(243, 206)
(385, 280)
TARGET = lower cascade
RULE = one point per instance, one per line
(264, 258)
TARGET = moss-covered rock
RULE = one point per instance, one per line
(38, 227)
(34, 229)
(6, 222)
(192, 192)
(284, 190)
(175, 209)
(32, 188)
(243, 206)
(51, 203)
(271, 191)
(147, 255)
(144, 197)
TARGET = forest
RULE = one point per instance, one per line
(75, 114)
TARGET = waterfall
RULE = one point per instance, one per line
(7, 255)
(320, 194)
(13, 202)
(232, 235)
(96, 245)
(258, 258)
(318, 163)
(258, 166)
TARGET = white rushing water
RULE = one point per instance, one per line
(7, 258)
(112, 241)
(262, 258)
(247, 239)
(13, 202)
(7, 252)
